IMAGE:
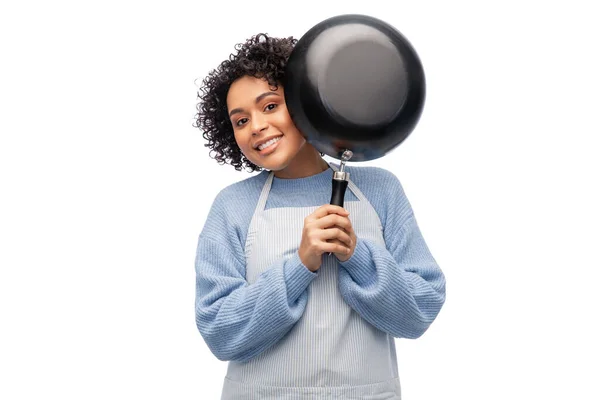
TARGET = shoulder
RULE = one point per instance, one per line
(384, 191)
(371, 176)
(232, 209)
(243, 191)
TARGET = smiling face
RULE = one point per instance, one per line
(265, 132)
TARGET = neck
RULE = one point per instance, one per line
(308, 162)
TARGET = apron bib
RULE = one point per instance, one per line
(331, 352)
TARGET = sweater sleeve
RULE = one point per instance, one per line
(236, 319)
(398, 288)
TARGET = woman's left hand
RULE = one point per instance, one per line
(347, 227)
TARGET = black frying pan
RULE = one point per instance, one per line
(355, 87)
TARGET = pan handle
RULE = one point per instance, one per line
(339, 183)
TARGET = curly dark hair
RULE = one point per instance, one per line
(260, 56)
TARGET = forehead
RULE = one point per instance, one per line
(244, 91)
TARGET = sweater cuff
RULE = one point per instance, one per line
(360, 266)
(297, 277)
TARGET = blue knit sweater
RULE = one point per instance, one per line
(398, 289)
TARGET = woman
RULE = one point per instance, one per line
(303, 298)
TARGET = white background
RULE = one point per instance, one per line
(106, 185)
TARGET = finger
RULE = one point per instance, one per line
(336, 241)
(335, 247)
(333, 220)
(329, 209)
(350, 230)
(333, 234)
(339, 221)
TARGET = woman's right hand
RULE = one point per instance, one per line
(326, 223)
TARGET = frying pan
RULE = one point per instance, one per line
(355, 87)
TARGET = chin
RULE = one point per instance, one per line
(274, 166)
(275, 162)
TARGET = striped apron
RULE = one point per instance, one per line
(331, 352)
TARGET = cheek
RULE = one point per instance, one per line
(299, 137)
(290, 129)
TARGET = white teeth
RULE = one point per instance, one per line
(267, 144)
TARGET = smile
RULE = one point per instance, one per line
(269, 143)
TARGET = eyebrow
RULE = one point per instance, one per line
(258, 98)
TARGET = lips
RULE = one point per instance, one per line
(269, 142)
(271, 148)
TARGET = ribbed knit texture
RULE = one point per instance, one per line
(399, 288)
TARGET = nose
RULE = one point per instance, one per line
(259, 123)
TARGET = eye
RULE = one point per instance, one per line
(241, 121)
(270, 107)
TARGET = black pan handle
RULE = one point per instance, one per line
(339, 183)
(340, 180)
(338, 190)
